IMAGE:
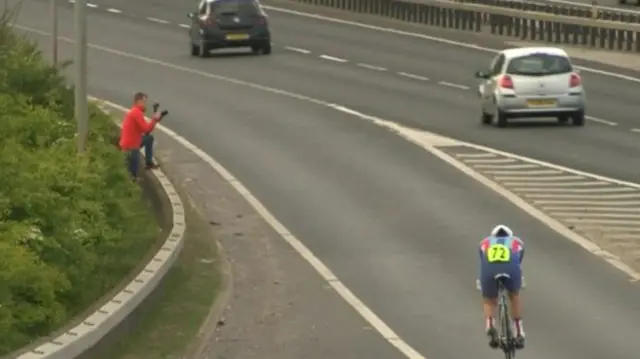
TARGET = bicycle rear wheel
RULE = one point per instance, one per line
(506, 333)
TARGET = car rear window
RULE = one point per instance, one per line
(539, 65)
(235, 7)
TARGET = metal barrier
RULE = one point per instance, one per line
(573, 10)
(508, 23)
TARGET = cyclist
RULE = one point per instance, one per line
(501, 252)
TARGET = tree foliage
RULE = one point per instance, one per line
(71, 226)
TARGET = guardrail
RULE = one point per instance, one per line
(566, 9)
(84, 336)
(507, 23)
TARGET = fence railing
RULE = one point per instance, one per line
(504, 22)
(555, 8)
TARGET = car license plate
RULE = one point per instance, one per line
(542, 102)
(235, 37)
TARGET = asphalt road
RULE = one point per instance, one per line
(396, 225)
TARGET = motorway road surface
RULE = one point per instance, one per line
(396, 225)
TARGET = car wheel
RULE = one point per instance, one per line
(563, 119)
(578, 118)
(501, 119)
(266, 48)
(486, 118)
(195, 49)
(203, 49)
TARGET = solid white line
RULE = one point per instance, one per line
(588, 203)
(608, 189)
(92, 5)
(326, 273)
(115, 11)
(528, 183)
(599, 120)
(371, 67)
(332, 58)
(507, 167)
(538, 179)
(583, 215)
(413, 76)
(489, 160)
(427, 37)
(451, 84)
(583, 196)
(159, 21)
(523, 174)
(475, 155)
(297, 49)
(581, 209)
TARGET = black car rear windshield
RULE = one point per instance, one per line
(539, 65)
(244, 7)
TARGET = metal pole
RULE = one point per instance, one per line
(81, 109)
(54, 32)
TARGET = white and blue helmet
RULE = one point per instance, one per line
(501, 231)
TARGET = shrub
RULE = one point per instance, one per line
(71, 226)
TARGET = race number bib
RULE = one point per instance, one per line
(498, 253)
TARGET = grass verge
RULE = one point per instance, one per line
(169, 322)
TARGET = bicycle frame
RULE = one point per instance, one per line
(507, 340)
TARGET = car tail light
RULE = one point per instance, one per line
(505, 82)
(575, 80)
(260, 20)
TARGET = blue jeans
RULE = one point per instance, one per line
(133, 156)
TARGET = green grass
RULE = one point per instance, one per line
(169, 323)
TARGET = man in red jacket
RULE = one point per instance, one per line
(136, 133)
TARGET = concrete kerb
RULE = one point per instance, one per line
(97, 325)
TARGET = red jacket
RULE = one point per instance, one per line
(134, 127)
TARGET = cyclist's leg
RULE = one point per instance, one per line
(514, 284)
(489, 289)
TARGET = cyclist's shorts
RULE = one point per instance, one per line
(488, 283)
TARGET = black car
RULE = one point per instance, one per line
(229, 23)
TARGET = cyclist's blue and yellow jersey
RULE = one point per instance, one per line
(501, 250)
(500, 255)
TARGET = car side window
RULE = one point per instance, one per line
(497, 65)
(202, 8)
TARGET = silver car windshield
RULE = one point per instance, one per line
(539, 65)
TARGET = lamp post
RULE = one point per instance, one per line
(80, 60)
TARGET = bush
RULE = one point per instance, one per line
(71, 226)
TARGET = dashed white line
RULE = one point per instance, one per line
(599, 120)
(297, 49)
(413, 76)
(92, 5)
(115, 11)
(635, 130)
(159, 21)
(451, 84)
(185, 26)
(371, 67)
(332, 58)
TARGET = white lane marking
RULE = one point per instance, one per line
(332, 58)
(581, 209)
(72, 1)
(551, 190)
(302, 250)
(92, 5)
(115, 11)
(451, 84)
(159, 21)
(635, 130)
(427, 37)
(583, 215)
(185, 26)
(426, 140)
(588, 203)
(599, 120)
(539, 179)
(371, 67)
(490, 160)
(475, 155)
(508, 167)
(297, 49)
(413, 76)
(523, 174)
(526, 183)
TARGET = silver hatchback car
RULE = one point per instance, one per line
(532, 82)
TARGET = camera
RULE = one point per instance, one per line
(156, 106)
